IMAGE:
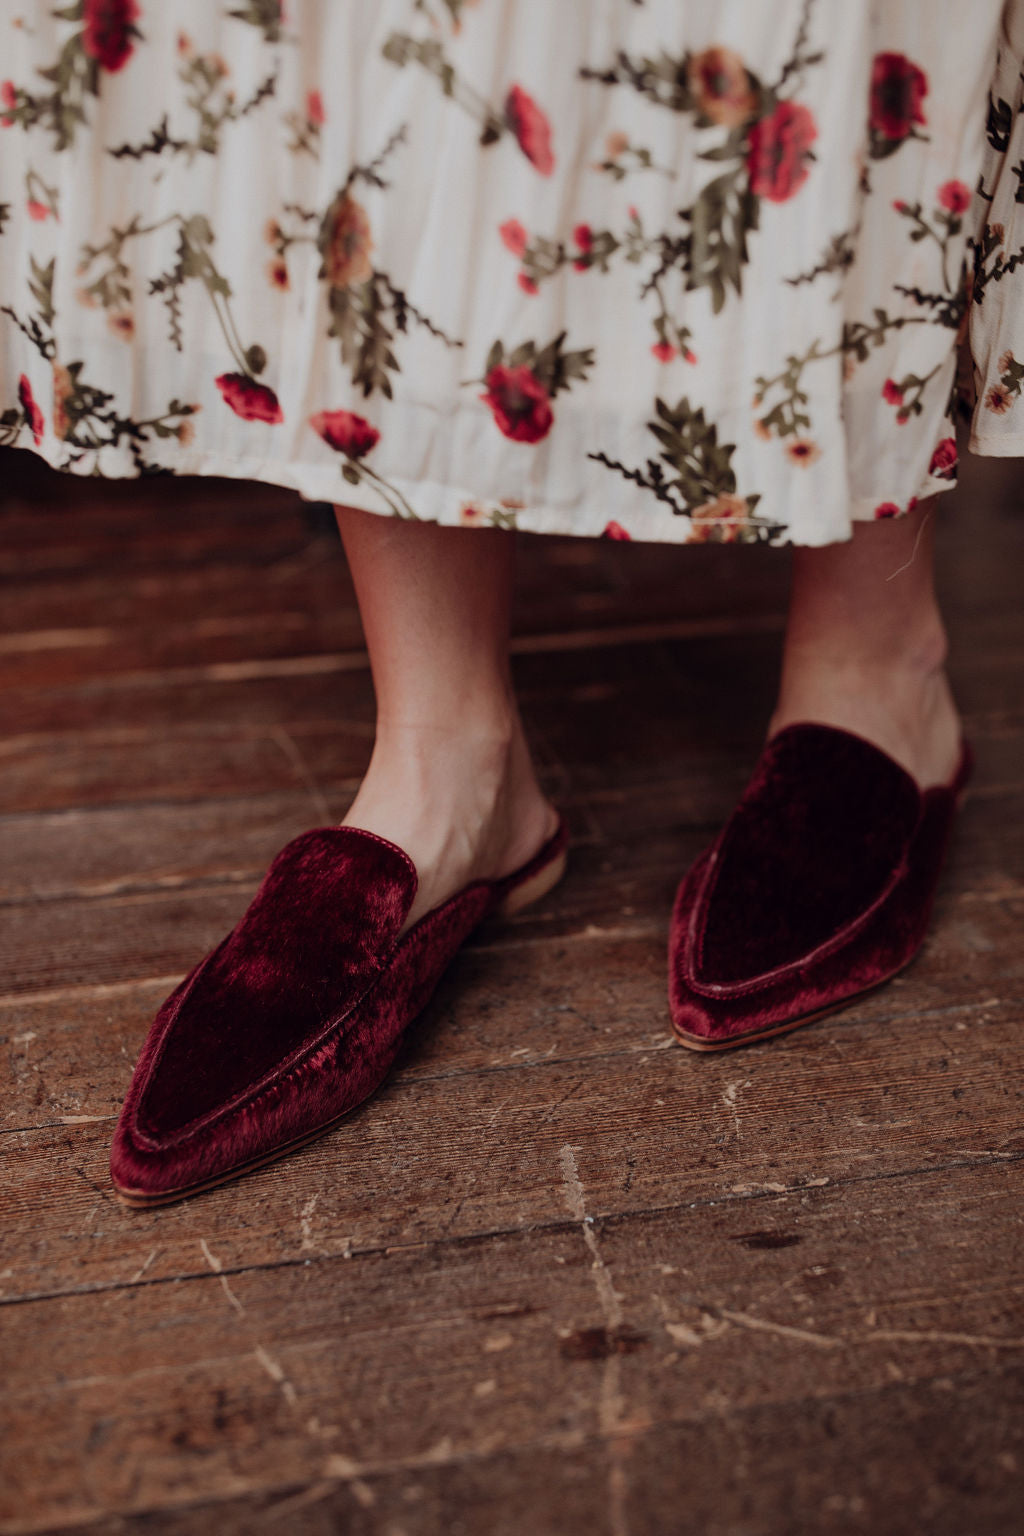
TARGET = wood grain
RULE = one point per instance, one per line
(559, 1275)
(455, 1350)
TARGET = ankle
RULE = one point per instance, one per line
(904, 705)
(438, 777)
(426, 758)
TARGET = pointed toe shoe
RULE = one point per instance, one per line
(818, 890)
(296, 1017)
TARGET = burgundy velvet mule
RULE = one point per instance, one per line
(819, 889)
(296, 1017)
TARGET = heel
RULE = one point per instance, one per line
(534, 887)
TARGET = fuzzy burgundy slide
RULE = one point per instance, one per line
(819, 889)
(298, 1014)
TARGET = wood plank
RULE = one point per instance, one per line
(641, 819)
(945, 1453)
(126, 766)
(56, 632)
(311, 577)
(83, 855)
(450, 1351)
(613, 744)
(629, 857)
(713, 686)
(526, 1060)
(506, 1004)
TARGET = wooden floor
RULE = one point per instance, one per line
(560, 1276)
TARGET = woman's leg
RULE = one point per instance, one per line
(866, 647)
(450, 780)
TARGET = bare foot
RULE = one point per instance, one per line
(463, 803)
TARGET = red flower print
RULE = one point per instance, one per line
(955, 195)
(803, 451)
(943, 461)
(520, 403)
(514, 236)
(8, 101)
(109, 31)
(251, 401)
(527, 284)
(315, 108)
(616, 531)
(664, 351)
(718, 79)
(887, 509)
(38, 211)
(346, 432)
(891, 392)
(898, 89)
(33, 414)
(531, 128)
(584, 238)
(779, 148)
(689, 357)
(277, 271)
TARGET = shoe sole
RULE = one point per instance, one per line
(535, 888)
(138, 1200)
(701, 1043)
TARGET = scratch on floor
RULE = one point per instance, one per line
(140, 1272)
(298, 1501)
(729, 1100)
(870, 1335)
(306, 1224)
(573, 1187)
(339, 1468)
(86, 990)
(783, 1330)
(611, 1416)
(602, 1276)
(939, 1336)
(217, 1267)
(291, 751)
(276, 1373)
(274, 1370)
(494, 1115)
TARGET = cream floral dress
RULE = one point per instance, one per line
(677, 270)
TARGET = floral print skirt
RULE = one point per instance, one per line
(678, 270)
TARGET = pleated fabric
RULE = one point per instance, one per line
(676, 270)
